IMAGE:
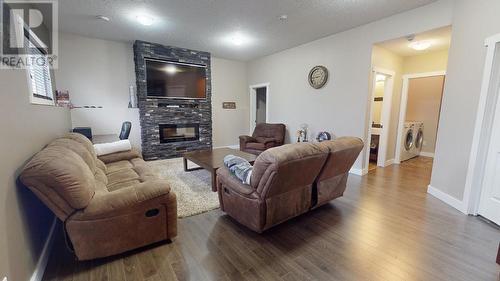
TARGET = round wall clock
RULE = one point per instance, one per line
(318, 76)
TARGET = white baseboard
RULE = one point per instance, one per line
(44, 255)
(234, 146)
(426, 154)
(389, 162)
(359, 172)
(446, 198)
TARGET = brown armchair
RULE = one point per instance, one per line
(288, 181)
(264, 137)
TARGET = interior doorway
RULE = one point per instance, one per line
(419, 112)
(418, 62)
(381, 100)
(261, 97)
(259, 100)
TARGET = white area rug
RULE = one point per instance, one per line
(193, 189)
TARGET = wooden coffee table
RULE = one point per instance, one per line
(213, 159)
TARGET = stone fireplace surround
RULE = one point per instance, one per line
(155, 112)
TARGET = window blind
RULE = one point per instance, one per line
(39, 71)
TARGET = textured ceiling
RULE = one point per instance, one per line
(440, 39)
(205, 24)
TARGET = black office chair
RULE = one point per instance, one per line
(125, 132)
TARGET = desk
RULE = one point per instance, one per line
(96, 139)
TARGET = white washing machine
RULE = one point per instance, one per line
(418, 137)
(408, 141)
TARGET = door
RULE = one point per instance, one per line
(259, 97)
(489, 204)
(260, 106)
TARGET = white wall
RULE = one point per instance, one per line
(342, 105)
(229, 83)
(473, 22)
(99, 72)
(424, 104)
(26, 129)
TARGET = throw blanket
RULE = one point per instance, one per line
(239, 167)
(112, 147)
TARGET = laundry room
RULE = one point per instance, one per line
(408, 75)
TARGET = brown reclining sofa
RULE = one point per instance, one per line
(288, 181)
(108, 205)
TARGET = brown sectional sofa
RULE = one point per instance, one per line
(108, 205)
(288, 181)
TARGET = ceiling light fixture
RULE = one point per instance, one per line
(380, 77)
(238, 39)
(103, 18)
(145, 20)
(283, 17)
(420, 45)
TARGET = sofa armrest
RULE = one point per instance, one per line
(227, 180)
(107, 204)
(244, 140)
(248, 139)
(266, 141)
(120, 156)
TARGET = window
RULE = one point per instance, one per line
(39, 79)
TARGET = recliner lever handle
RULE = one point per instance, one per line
(152, 213)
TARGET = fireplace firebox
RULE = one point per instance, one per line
(179, 132)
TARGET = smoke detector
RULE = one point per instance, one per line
(103, 18)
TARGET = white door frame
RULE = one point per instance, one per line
(385, 118)
(253, 103)
(404, 104)
(482, 128)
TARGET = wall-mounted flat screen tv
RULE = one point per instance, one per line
(175, 80)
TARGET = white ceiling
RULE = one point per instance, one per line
(205, 24)
(440, 39)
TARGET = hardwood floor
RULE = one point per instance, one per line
(386, 227)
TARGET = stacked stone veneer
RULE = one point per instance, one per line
(154, 111)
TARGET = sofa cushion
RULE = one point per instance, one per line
(62, 170)
(256, 145)
(127, 173)
(101, 165)
(79, 149)
(120, 156)
(116, 166)
(122, 184)
(122, 176)
(82, 140)
(270, 161)
(101, 176)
